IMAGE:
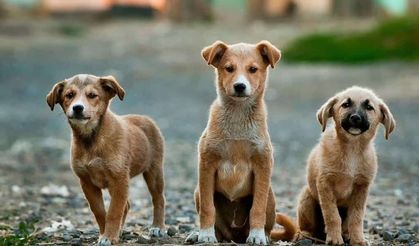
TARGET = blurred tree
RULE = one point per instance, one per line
(353, 7)
(2, 9)
(187, 10)
(270, 9)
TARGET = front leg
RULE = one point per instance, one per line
(356, 211)
(207, 169)
(328, 205)
(118, 190)
(262, 170)
(94, 197)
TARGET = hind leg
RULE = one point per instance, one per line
(155, 183)
(306, 214)
(270, 212)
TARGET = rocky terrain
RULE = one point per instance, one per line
(160, 68)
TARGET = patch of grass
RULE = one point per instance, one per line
(24, 234)
(396, 39)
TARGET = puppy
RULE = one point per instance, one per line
(107, 150)
(341, 168)
(234, 197)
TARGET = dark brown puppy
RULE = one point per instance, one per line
(107, 150)
(234, 197)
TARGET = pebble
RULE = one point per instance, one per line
(404, 238)
(376, 229)
(144, 240)
(171, 231)
(67, 237)
(76, 242)
(388, 236)
(304, 242)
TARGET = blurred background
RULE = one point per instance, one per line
(153, 48)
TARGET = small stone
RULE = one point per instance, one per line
(388, 236)
(404, 238)
(304, 242)
(416, 228)
(67, 237)
(185, 228)
(128, 236)
(171, 231)
(76, 242)
(192, 238)
(376, 229)
(145, 240)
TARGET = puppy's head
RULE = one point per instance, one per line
(241, 68)
(84, 98)
(357, 111)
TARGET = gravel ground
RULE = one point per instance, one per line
(159, 66)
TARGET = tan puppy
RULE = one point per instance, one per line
(107, 150)
(234, 198)
(341, 168)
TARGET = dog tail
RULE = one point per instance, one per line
(289, 231)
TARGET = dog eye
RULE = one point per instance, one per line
(69, 95)
(369, 107)
(230, 69)
(346, 105)
(91, 95)
(253, 69)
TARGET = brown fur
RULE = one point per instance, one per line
(107, 150)
(235, 153)
(340, 170)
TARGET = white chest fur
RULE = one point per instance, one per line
(234, 180)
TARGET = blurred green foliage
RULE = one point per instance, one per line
(396, 39)
(71, 30)
(23, 235)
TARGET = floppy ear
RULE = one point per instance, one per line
(112, 86)
(212, 54)
(269, 53)
(325, 112)
(54, 96)
(387, 120)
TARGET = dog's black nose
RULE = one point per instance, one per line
(78, 109)
(239, 87)
(355, 119)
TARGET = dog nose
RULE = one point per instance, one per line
(355, 118)
(78, 109)
(239, 87)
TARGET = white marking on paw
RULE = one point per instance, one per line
(257, 236)
(157, 232)
(104, 241)
(207, 236)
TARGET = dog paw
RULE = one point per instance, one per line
(334, 239)
(192, 238)
(360, 243)
(157, 232)
(207, 236)
(257, 236)
(104, 241)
